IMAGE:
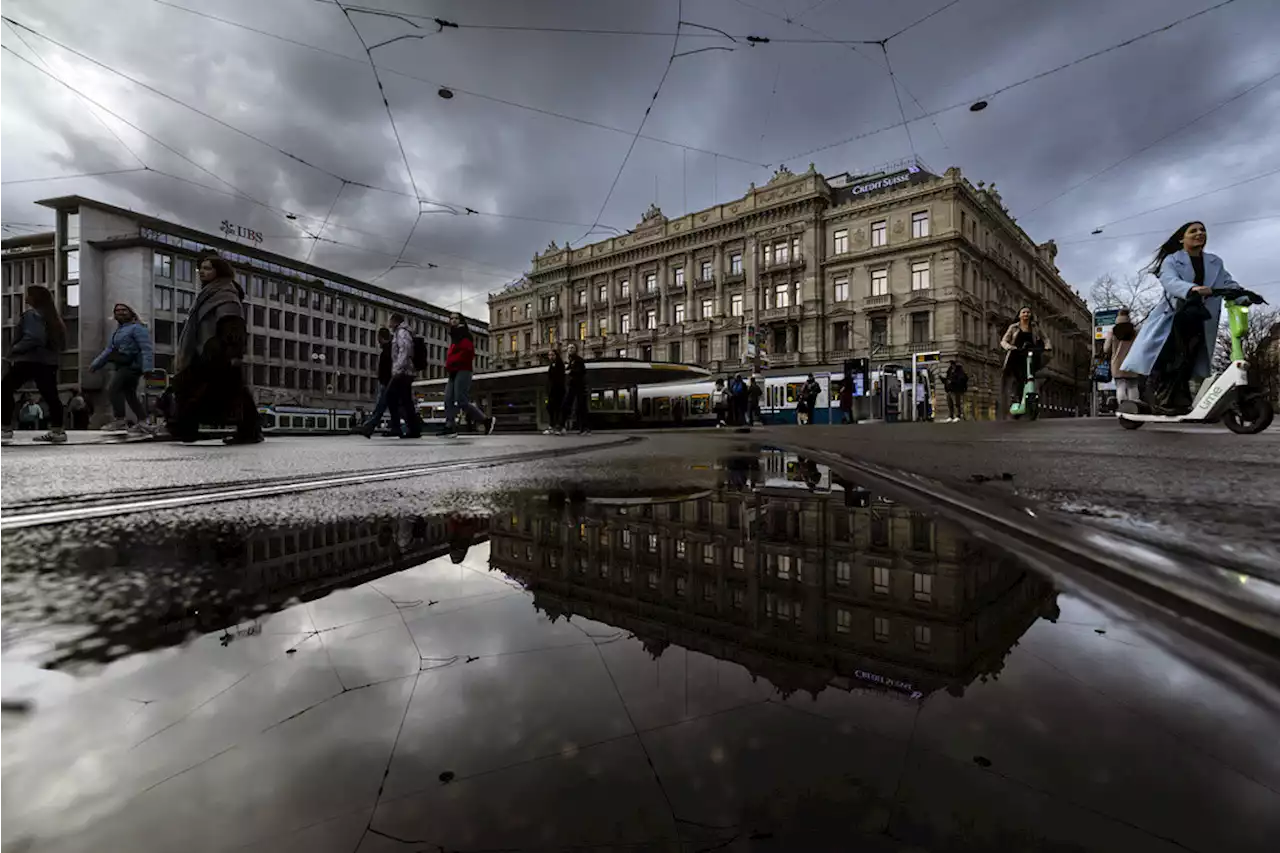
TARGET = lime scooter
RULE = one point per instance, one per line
(1028, 405)
(1225, 396)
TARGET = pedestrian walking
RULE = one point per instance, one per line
(33, 357)
(754, 393)
(809, 393)
(737, 400)
(405, 422)
(1116, 348)
(78, 410)
(555, 393)
(575, 398)
(208, 384)
(458, 363)
(846, 402)
(131, 355)
(720, 402)
(955, 382)
(1020, 337)
(370, 425)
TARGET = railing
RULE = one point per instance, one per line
(696, 326)
(705, 282)
(882, 300)
(735, 277)
(791, 311)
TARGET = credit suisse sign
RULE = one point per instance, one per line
(885, 183)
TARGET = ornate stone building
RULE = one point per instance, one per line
(877, 266)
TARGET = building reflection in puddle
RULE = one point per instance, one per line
(786, 569)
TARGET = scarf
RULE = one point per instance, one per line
(218, 299)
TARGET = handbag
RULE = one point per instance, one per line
(1102, 373)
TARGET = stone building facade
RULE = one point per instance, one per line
(876, 266)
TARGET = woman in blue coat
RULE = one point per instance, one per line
(1176, 342)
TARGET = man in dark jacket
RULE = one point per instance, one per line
(955, 382)
(737, 400)
(368, 428)
(555, 393)
(575, 398)
(754, 393)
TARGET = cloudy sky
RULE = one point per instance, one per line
(294, 74)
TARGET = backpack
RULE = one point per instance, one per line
(419, 354)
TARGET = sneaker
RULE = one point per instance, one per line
(548, 431)
(490, 426)
(117, 425)
(447, 433)
(140, 429)
(53, 436)
(560, 431)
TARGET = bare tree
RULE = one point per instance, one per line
(1139, 292)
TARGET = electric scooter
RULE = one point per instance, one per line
(1225, 396)
(1028, 404)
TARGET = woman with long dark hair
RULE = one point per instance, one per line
(1176, 342)
(33, 357)
(458, 363)
(1020, 338)
(208, 381)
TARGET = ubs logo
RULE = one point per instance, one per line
(240, 232)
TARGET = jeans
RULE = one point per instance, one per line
(46, 378)
(400, 405)
(457, 395)
(955, 404)
(124, 390)
(379, 409)
(575, 409)
(555, 408)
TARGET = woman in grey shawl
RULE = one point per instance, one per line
(208, 382)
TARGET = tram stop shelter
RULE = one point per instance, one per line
(518, 397)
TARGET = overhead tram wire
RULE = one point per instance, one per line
(920, 21)
(1152, 144)
(1014, 85)
(675, 44)
(1191, 198)
(1164, 231)
(105, 173)
(456, 89)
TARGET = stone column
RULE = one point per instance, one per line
(664, 274)
(635, 296)
(720, 271)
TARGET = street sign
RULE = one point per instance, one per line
(1102, 321)
(922, 358)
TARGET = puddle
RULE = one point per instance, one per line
(705, 655)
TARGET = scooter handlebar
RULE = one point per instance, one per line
(1240, 296)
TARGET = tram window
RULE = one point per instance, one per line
(793, 391)
(310, 423)
(286, 421)
(267, 420)
(699, 404)
(594, 404)
(610, 400)
(646, 406)
(322, 423)
(624, 400)
(664, 406)
(343, 423)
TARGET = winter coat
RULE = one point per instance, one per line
(129, 341)
(555, 379)
(1177, 276)
(461, 356)
(31, 343)
(1011, 335)
(215, 326)
(402, 351)
(1116, 352)
(577, 371)
(384, 364)
(955, 380)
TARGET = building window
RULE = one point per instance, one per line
(274, 347)
(674, 354)
(782, 296)
(549, 335)
(706, 310)
(844, 572)
(844, 621)
(879, 234)
(709, 554)
(842, 290)
(650, 283)
(879, 282)
(317, 327)
(705, 272)
(880, 580)
(735, 305)
(604, 327)
(528, 310)
(291, 350)
(704, 350)
(739, 556)
(880, 629)
(515, 342)
(625, 323)
(679, 277)
(920, 327)
(164, 332)
(923, 637)
(259, 346)
(582, 298)
(185, 300)
(922, 586)
(768, 255)
(879, 331)
(920, 224)
(678, 313)
(841, 241)
(782, 253)
(274, 318)
(732, 346)
(164, 298)
(840, 336)
(624, 289)
(273, 292)
(622, 352)
(182, 270)
(602, 294)
(651, 319)
(162, 265)
(919, 275)
(735, 263)
(582, 330)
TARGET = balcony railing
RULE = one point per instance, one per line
(735, 277)
(697, 326)
(787, 313)
(883, 300)
(545, 312)
(705, 282)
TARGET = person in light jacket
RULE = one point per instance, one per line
(1176, 342)
(132, 355)
(33, 357)
(1116, 348)
(1019, 338)
(400, 390)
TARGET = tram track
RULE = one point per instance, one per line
(64, 509)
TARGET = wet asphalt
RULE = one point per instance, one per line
(689, 642)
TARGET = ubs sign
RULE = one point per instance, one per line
(885, 183)
(240, 232)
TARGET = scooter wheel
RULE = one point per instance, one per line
(1128, 424)
(1249, 416)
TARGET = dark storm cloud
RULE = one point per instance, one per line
(1034, 141)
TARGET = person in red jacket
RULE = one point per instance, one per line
(457, 392)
